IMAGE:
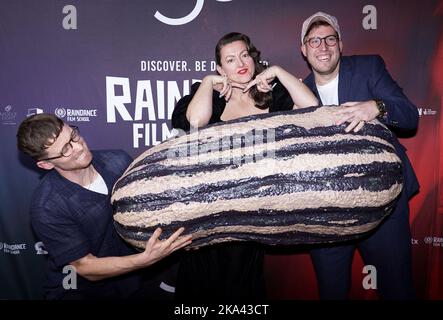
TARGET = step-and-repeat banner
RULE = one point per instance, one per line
(116, 69)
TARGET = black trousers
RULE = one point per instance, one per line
(226, 271)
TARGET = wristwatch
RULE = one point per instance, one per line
(382, 112)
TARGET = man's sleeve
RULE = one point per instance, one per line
(401, 112)
(61, 236)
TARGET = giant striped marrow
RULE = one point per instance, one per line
(283, 178)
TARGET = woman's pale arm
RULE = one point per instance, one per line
(200, 108)
(300, 93)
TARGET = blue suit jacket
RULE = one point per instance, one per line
(363, 78)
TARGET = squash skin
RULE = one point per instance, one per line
(284, 178)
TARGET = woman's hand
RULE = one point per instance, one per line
(223, 85)
(263, 80)
(301, 95)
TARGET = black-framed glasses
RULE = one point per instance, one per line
(67, 148)
(315, 42)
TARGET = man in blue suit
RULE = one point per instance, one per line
(366, 91)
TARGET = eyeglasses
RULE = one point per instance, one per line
(330, 41)
(67, 148)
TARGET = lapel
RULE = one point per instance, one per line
(310, 83)
(344, 80)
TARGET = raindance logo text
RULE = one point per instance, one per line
(12, 248)
(76, 115)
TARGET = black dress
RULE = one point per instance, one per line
(225, 271)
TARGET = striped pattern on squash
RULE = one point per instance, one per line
(282, 178)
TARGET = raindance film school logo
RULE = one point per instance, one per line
(12, 248)
(7, 115)
(435, 241)
(76, 115)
